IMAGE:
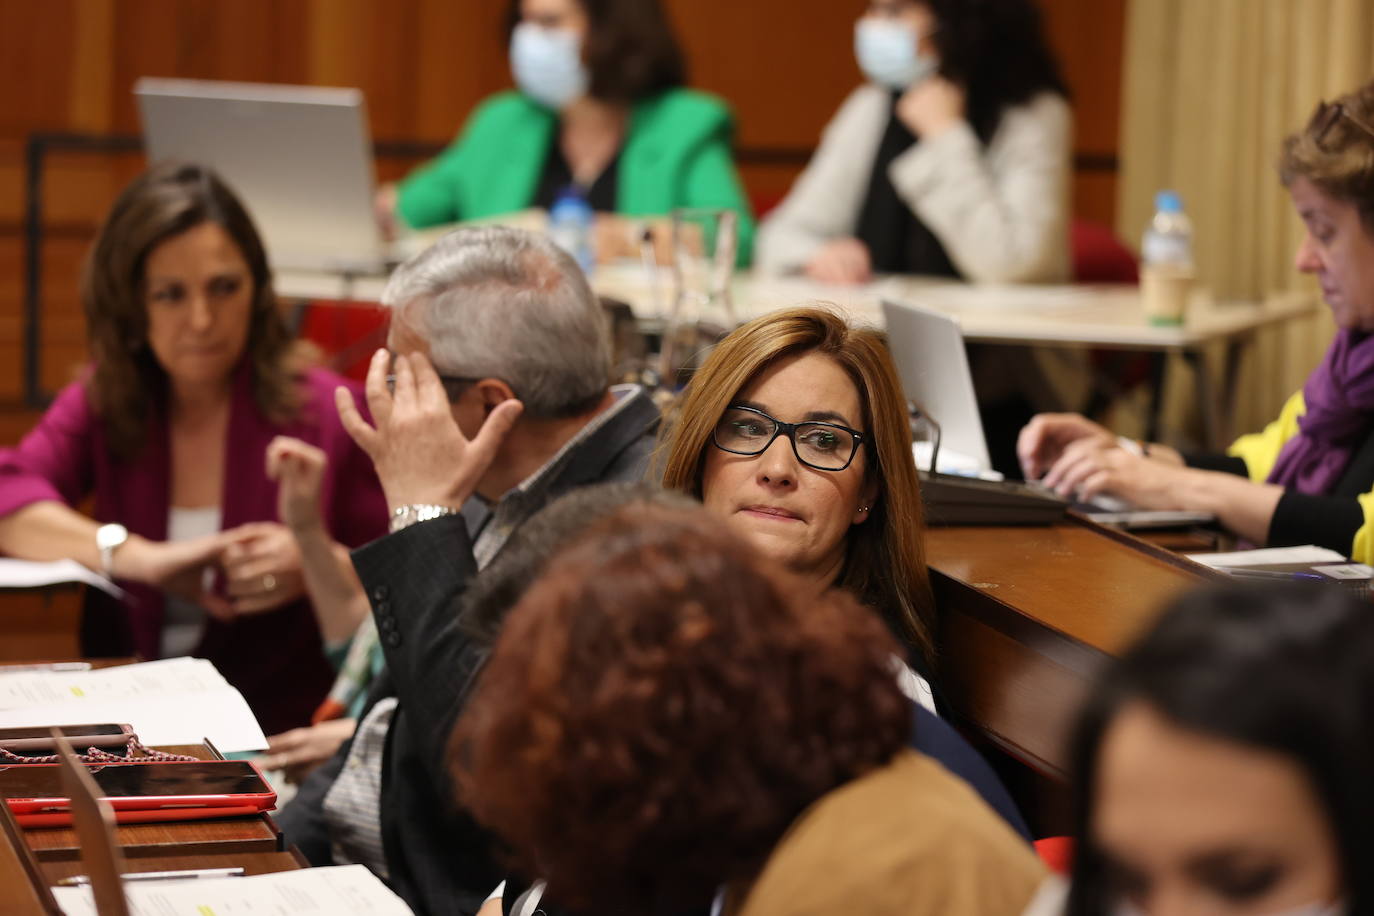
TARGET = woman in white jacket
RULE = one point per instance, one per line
(953, 160)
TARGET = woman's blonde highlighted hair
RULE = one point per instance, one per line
(885, 564)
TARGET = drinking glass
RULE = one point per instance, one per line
(704, 242)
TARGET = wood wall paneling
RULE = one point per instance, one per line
(1088, 37)
(1094, 196)
(34, 65)
(784, 65)
(459, 59)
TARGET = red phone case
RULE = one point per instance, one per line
(152, 815)
(257, 801)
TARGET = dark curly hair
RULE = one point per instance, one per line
(996, 50)
(630, 51)
(1288, 671)
(661, 705)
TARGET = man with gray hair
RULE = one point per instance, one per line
(492, 399)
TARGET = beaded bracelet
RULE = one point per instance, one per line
(97, 756)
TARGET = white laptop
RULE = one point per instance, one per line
(928, 349)
(299, 157)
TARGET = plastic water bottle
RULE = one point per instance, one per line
(1166, 254)
(570, 226)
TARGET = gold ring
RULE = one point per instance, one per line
(269, 582)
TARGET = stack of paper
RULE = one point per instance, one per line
(1307, 554)
(174, 701)
(32, 574)
(341, 890)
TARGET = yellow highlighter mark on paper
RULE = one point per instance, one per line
(77, 691)
(205, 910)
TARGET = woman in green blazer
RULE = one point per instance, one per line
(600, 105)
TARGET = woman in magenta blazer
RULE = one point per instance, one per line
(193, 374)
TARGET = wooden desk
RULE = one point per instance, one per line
(252, 834)
(18, 897)
(253, 863)
(1030, 615)
(253, 842)
(229, 836)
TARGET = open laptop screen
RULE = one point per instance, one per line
(299, 158)
(928, 349)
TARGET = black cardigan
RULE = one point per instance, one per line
(1329, 521)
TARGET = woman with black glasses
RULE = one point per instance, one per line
(1308, 477)
(795, 432)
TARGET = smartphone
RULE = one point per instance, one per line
(36, 738)
(35, 788)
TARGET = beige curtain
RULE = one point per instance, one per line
(1210, 89)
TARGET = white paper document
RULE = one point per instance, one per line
(341, 890)
(173, 701)
(1270, 556)
(1346, 571)
(32, 574)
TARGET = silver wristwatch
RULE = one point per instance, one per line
(107, 538)
(413, 513)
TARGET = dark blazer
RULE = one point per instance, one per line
(936, 738)
(440, 860)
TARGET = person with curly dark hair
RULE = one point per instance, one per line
(666, 715)
(953, 160)
(599, 105)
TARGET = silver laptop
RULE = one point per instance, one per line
(299, 157)
(928, 348)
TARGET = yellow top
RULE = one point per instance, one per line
(1261, 450)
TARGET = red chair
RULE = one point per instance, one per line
(348, 333)
(761, 202)
(1057, 853)
(1099, 256)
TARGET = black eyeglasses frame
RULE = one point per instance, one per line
(790, 431)
(454, 385)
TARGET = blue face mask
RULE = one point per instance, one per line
(888, 55)
(547, 65)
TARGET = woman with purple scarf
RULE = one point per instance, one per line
(1308, 477)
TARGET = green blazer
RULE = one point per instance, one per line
(676, 154)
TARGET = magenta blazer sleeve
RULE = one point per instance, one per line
(55, 460)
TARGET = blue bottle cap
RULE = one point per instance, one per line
(1168, 202)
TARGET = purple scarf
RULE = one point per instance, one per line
(1339, 396)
